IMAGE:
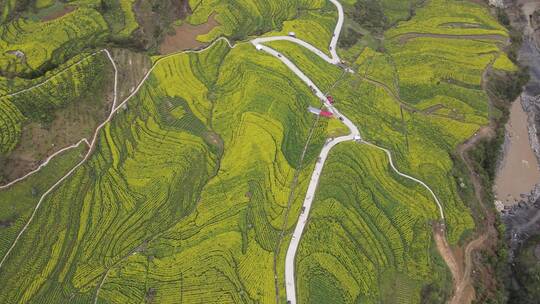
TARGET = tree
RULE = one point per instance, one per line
(369, 14)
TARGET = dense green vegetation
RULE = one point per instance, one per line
(527, 271)
(36, 46)
(239, 19)
(368, 19)
(120, 17)
(39, 35)
(368, 239)
(161, 180)
(81, 76)
(186, 194)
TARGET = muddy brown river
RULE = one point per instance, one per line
(518, 172)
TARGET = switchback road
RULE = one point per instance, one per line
(290, 283)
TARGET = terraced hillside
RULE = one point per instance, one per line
(161, 171)
(239, 19)
(34, 46)
(37, 105)
(428, 90)
(376, 241)
(419, 98)
(193, 188)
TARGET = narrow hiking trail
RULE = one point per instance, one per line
(463, 290)
(91, 144)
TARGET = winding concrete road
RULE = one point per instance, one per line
(310, 194)
(290, 283)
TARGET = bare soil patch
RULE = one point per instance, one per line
(6, 223)
(185, 36)
(446, 252)
(155, 18)
(75, 121)
(215, 140)
(57, 14)
(132, 67)
(457, 262)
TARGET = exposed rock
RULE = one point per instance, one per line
(497, 3)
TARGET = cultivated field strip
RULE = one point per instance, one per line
(183, 194)
(157, 120)
(41, 44)
(359, 232)
(36, 102)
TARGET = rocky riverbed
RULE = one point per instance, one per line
(522, 216)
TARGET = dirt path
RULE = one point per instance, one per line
(456, 268)
(462, 270)
(463, 290)
(408, 36)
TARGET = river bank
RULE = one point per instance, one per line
(518, 171)
(521, 216)
(518, 177)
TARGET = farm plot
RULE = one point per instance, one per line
(368, 238)
(33, 46)
(120, 18)
(319, 71)
(421, 144)
(17, 202)
(314, 27)
(450, 18)
(185, 194)
(239, 19)
(38, 103)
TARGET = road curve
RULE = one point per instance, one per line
(333, 60)
(290, 283)
(302, 219)
(354, 135)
